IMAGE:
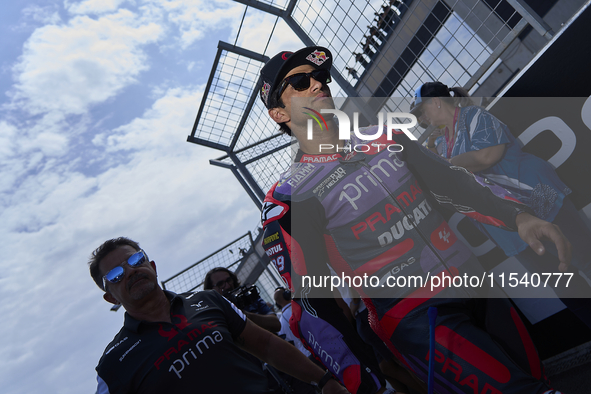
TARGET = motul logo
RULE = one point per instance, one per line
(274, 250)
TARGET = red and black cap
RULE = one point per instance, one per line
(275, 70)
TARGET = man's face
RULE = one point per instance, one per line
(317, 96)
(222, 282)
(137, 282)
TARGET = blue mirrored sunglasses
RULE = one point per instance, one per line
(116, 274)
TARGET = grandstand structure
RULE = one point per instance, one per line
(382, 49)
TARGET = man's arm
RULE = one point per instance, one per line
(283, 356)
(268, 322)
(457, 189)
(297, 248)
(102, 387)
(479, 160)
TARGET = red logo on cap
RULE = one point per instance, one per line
(317, 57)
(284, 55)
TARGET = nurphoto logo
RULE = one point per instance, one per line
(392, 119)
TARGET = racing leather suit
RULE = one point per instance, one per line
(373, 211)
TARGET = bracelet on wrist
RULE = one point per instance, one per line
(322, 382)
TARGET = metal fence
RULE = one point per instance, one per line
(385, 48)
(243, 256)
(381, 49)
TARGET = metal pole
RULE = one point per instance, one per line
(241, 180)
(532, 18)
(248, 178)
(522, 24)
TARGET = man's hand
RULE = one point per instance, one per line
(533, 230)
(284, 356)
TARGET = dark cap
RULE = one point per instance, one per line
(275, 70)
(428, 90)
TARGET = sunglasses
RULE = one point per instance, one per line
(220, 283)
(301, 81)
(116, 274)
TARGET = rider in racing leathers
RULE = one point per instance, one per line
(371, 213)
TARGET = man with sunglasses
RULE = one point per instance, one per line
(373, 213)
(183, 343)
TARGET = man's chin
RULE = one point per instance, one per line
(141, 289)
(323, 102)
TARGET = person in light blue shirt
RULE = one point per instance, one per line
(475, 139)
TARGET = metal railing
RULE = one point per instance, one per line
(242, 256)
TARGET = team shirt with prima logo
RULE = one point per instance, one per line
(195, 353)
(374, 213)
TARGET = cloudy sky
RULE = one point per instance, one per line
(98, 99)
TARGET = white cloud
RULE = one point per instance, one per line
(174, 111)
(164, 194)
(92, 6)
(25, 148)
(45, 15)
(257, 28)
(67, 68)
(64, 189)
(197, 18)
(284, 39)
(150, 161)
(8, 133)
(50, 143)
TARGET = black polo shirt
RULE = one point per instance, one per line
(195, 353)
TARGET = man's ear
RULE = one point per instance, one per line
(279, 115)
(153, 264)
(109, 298)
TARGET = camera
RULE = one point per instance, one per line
(243, 296)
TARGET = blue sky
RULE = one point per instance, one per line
(99, 97)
